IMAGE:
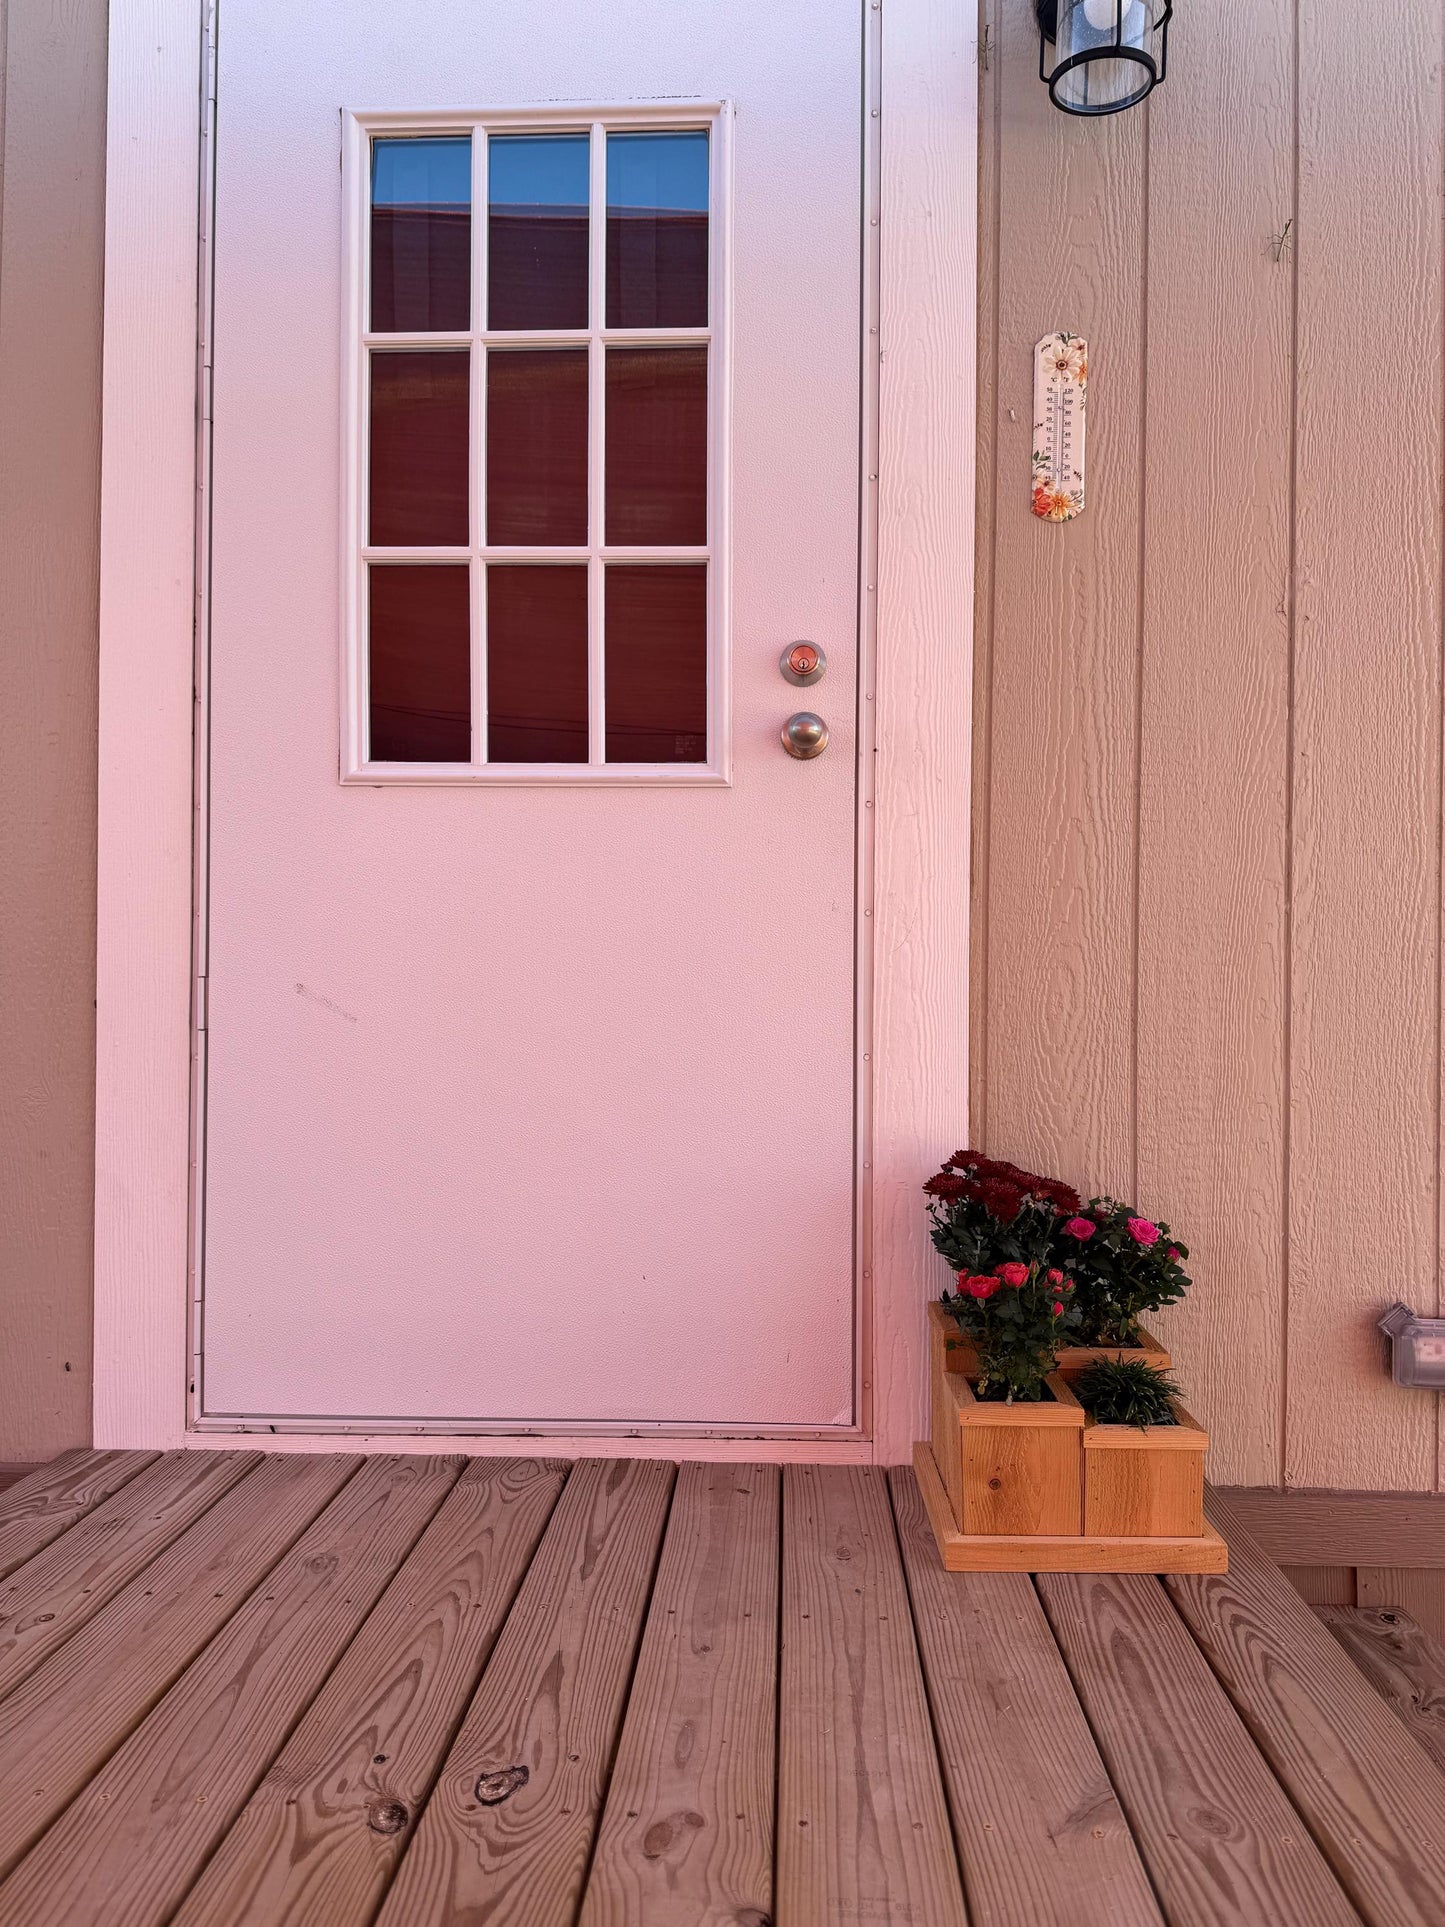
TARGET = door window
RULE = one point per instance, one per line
(537, 412)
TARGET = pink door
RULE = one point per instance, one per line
(531, 950)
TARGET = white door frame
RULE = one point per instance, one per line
(160, 99)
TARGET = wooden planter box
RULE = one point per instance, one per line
(1007, 1488)
(1073, 1358)
(1145, 1484)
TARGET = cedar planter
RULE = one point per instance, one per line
(1073, 1358)
(1144, 1482)
(1011, 1469)
(1021, 1468)
(1008, 1488)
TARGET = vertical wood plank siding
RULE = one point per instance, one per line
(52, 207)
(1207, 767)
(1207, 729)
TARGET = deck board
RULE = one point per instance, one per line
(60, 1726)
(1221, 1840)
(250, 1690)
(133, 1842)
(508, 1830)
(38, 1508)
(320, 1839)
(686, 1838)
(863, 1828)
(54, 1593)
(1401, 1661)
(1370, 1794)
(1040, 1833)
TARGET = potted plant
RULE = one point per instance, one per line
(985, 1211)
(1125, 1265)
(1143, 1453)
(1007, 1439)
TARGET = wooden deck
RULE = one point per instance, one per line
(239, 1688)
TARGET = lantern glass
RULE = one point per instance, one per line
(1107, 53)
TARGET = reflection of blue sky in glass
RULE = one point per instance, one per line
(538, 170)
(421, 173)
(657, 171)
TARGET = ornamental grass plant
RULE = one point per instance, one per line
(1126, 1391)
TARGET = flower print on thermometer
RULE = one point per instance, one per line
(1061, 386)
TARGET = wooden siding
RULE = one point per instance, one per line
(1207, 844)
(52, 144)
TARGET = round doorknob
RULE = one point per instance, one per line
(805, 735)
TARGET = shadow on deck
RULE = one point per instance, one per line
(247, 1688)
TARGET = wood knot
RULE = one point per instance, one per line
(493, 1788)
(387, 1816)
(994, 1484)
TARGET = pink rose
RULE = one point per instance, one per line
(1174, 1253)
(1013, 1274)
(1058, 1310)
(1056, 1278)
(1143, 1232)
(1081, 1227)
(980, 1287)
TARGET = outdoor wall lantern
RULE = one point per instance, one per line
(1107, 53)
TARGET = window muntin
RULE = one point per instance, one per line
(589, 462)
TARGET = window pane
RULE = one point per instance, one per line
(537, 664)
(656, 445)
(537, 445)
(657, 230)
(419, 654)
(656, 657)
(538, 189)
(419, 448)
(421, 235)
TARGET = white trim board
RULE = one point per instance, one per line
(915, 1048)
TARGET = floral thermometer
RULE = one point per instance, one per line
(1061, 384)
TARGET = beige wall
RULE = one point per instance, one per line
(52, 145)
(1208, 806)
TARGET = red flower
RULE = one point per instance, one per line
(945, 1185)
(1058, 1310)
(1080, 1227)
(980, 1287)
(1143, 1232)
(1173, 1253)
(1013, 1274)
(1056, 1278)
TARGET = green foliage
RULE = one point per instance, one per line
(1125, 1266)
(1017, 1317)
(1126, 1391)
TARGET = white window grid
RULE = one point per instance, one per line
(360, 128)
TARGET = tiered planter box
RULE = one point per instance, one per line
(1042, 1488)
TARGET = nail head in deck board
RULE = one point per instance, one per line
(1040, 1835)
(863, 1830)
(52, 1595)
(1371, 1796)
(50, 1501)
(551, 1700)
(321, 1836)
(687, 1833)
(61, 1724)
(1401, 1662)
(132, 1843)
(1221, 1841)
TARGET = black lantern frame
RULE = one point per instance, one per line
(1105, 44)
